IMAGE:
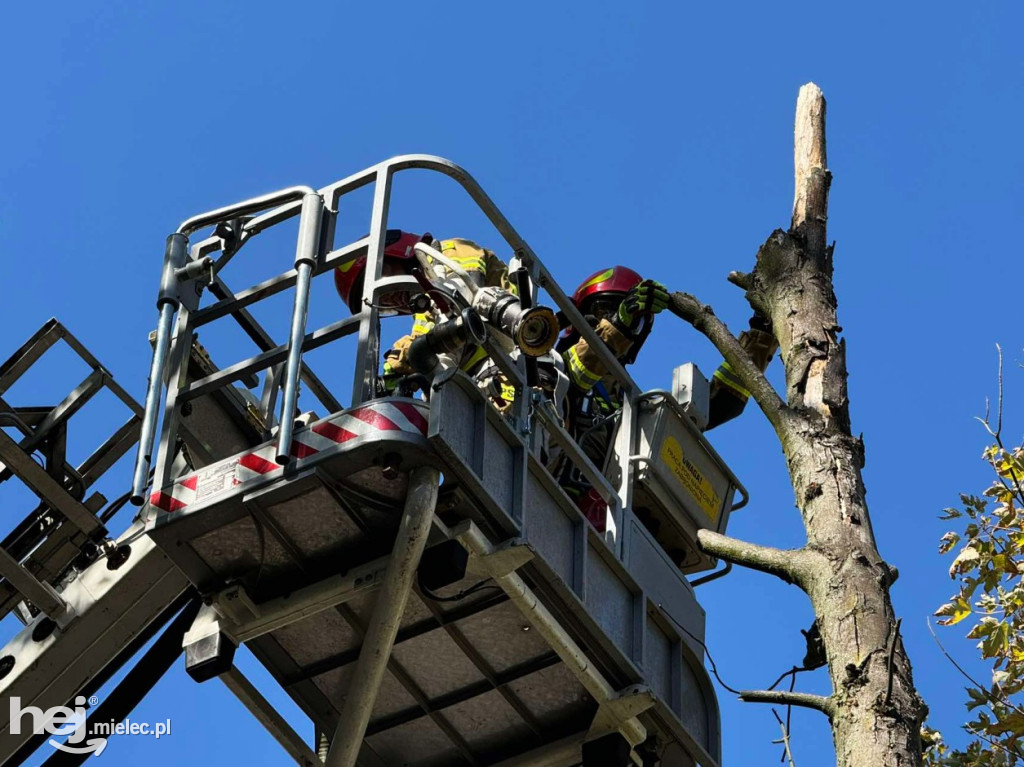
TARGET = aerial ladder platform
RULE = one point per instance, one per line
(405, 567)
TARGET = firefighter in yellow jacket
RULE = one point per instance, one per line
(486, 270)
(622, 306)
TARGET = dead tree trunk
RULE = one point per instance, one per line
(874, 710)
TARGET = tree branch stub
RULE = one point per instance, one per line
(796, 566)
(825, 705)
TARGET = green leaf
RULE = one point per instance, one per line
(996, 643)
(954, 611)
(1012, 724)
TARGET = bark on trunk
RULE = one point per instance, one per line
(874, 709)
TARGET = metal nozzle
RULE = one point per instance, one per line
(533, 330)
(536, 331)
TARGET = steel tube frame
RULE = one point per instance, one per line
(243, 208)
(274, 285)
(147, 433)
(305, 260)
(263, 340)
(364, 383)
(417, 518)
(290, 203)
(269, 358)
(168, 302)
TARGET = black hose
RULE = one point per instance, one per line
(445, 337)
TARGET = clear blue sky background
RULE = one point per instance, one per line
(652, 134)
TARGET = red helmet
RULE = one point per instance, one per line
(600, 295)
(613, 283)
(348, 278)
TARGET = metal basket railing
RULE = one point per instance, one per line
(187, 269)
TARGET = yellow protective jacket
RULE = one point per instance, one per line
(728, 397)
(584, 366)
(482, 266)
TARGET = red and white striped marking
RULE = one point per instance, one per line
(374, 418)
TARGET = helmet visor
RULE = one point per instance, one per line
(605, 307)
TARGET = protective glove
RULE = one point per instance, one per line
(649, 297)
(389, 378)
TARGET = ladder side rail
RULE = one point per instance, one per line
(30, 588)
(51, 668)
(88, 358)
(100, 378)
(61, 412)
(47, 488)
(110, 452)
(14, 367)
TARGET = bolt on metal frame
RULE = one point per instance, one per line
(315, 254)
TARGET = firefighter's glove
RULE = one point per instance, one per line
(389, 378)
(646, 299)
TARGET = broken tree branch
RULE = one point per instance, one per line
(791, 565)
(821, 703)
(703, 318)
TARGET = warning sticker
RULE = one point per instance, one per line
(214, 480)
(691, 478)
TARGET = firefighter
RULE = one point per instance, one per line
(398, 260)
(482, 266)
(622, 306)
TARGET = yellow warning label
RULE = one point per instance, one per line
(691, 478)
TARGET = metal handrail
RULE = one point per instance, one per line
(285, 204)
(175, 258)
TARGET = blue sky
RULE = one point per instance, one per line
(656, 135)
